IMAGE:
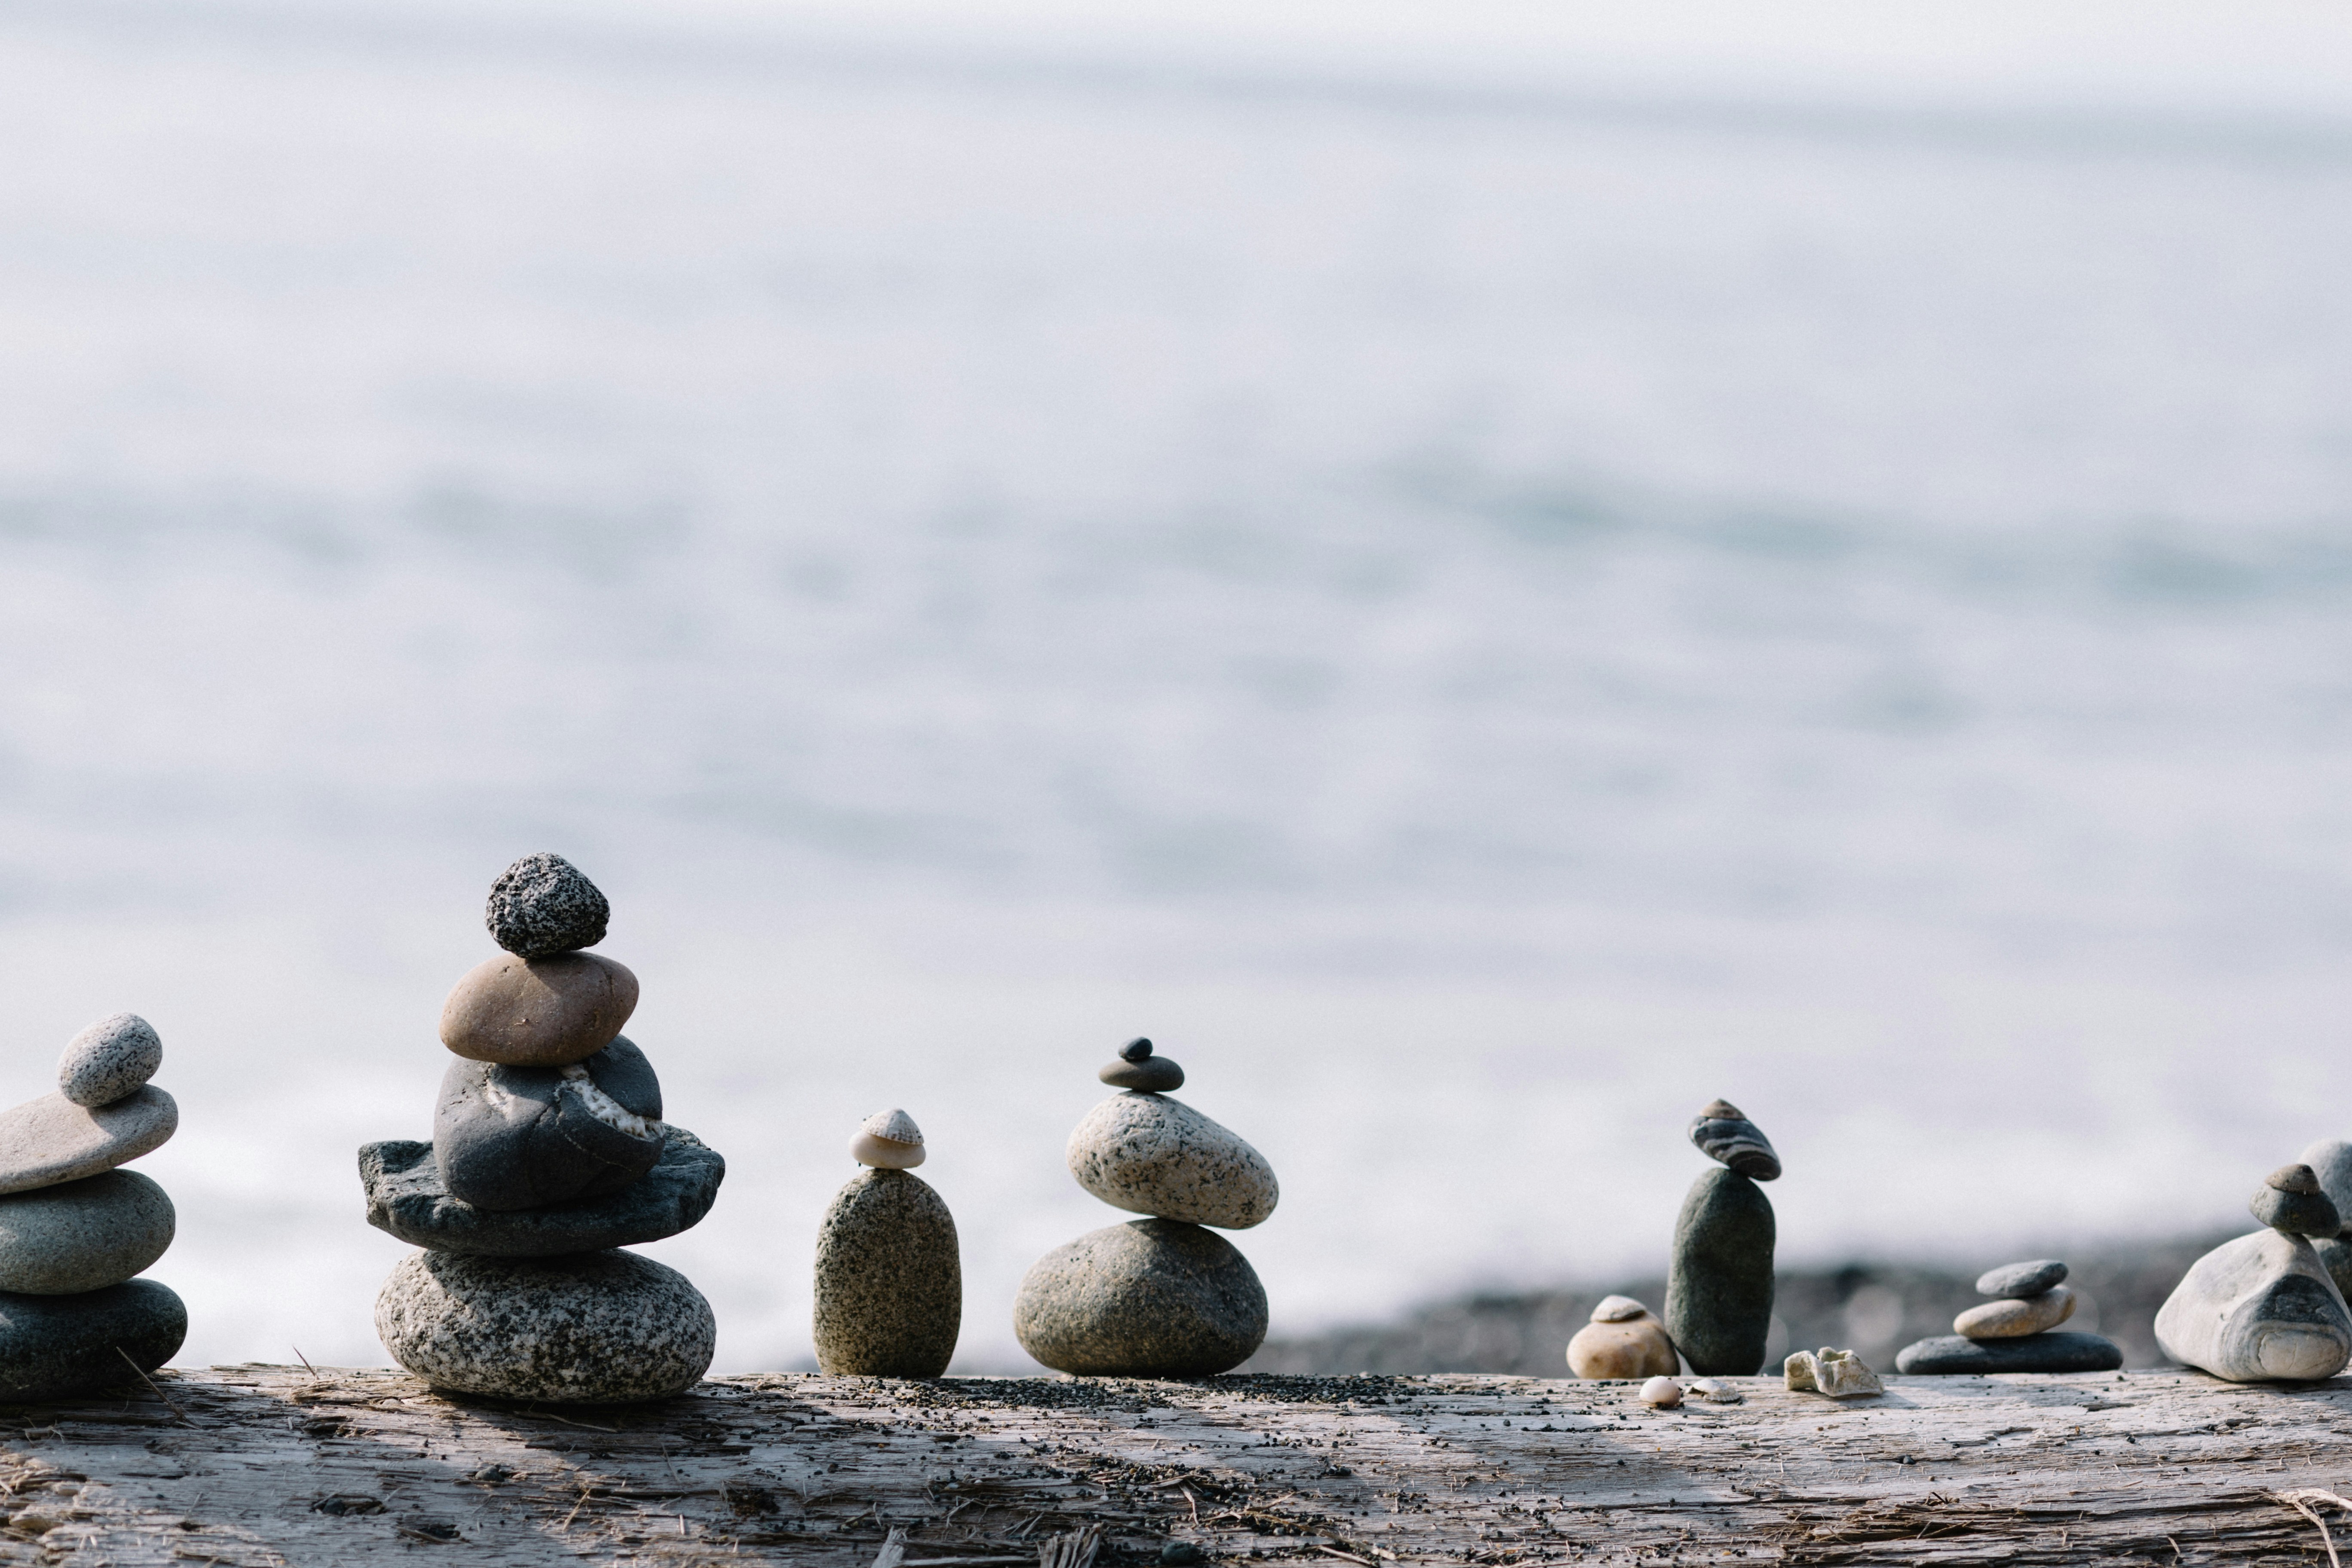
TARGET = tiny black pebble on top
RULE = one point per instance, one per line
(1136, 1050)
(542, 905)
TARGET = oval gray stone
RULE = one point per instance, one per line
(598, 1327)
(1719, 1284)
(2301, 1212)
(2016, 1281)
(110, 1059)
(1723, 1133)
(50, 1139)
(1149, 1154)
(2262, 1309)
(543, 904)
(407, 1199)
(1948, 1355)
(1151, 1298)
(55, 1347)
(82, 1236)
(1157, 1074)
(890, 1280)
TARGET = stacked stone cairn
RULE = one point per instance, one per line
(1622, 1341)
(1720, 1287)
(1160, 1297)
(2263, 1308)
(2330, 1160)
(76, 1230)
(2017, 1331)
(549, 1156)
(889, 1278)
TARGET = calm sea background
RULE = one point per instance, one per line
(1481, 618)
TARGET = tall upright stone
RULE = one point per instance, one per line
(889, 1278)
(1720, 1287)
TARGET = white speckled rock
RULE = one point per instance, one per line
(82, 1236)
(594, 1328)
(1149, 1154)
(889, 1141)
(2011, 1319)
(2260, 1308)
(50, 1139)
(110, 1059)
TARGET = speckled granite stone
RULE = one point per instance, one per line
(541, 904)
(2260, 1308)
(1147, 1298)
(54, 1347)
(1948, 1355)
(890, 1280)
(407, 1199)
(538, 1012)
(110, 1059)
(598, 1327)
(521, 1138)
(82, 1236)
(50, 1139)
(1148, 1154)
(1720, 1292)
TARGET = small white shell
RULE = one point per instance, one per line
(889, 1141)
(1619, 1309)
(1663, 1392)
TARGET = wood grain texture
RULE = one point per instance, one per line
(266, 1465)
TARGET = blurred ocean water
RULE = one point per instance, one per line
(1479, 623)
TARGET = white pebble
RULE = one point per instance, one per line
(1663, 1392)
(889, 1141)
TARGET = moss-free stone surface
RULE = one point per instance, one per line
(543, 904)
(522, 1138)
(405, 1198)
(538, 1012)
(110, 1059)
(51, 1139)
(52, 1347)
(890, 1280)
(1148, 1154)
(1152, 1298)
(1719, 1292)
(2260, 1308)
(82, 1236)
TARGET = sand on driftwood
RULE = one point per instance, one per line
(267, 1465)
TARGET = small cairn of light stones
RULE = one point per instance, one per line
(890, 1280)
(1622, 1341)
(549, 1156)
(2263, 1308)
(1719, 1290)
(75, 1230)
(2014, 1331)
(1837, 1373)
(1160, 1297)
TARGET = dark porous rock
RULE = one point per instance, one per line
(538, 1012)
(2290, 1200)
(1156, 1075)
(890, 1280)
(54, 1347)
(2017, 1281)
(1152, 1298)
(2060, 1351)
(82, 1236)
(110, 1059)
(2262, 1309)
(522, 1138)
(1723, 1134)
(541, 904)
(1720, 1292)
(50, 1139)
(598, 1327)
(405, 1198)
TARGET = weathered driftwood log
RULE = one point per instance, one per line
(265, 1465)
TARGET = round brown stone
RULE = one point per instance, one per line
(890, 1280)
(538, 1012)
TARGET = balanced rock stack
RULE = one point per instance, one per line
(2263, 1308)
(2330, 1160)
(1719, 1287)
(1160, 1297)
(75, 1229)
(548, 1155)
(2014, 1331)
(889, 1278)
(1622, 1341)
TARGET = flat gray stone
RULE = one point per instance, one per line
(50, 1139)
(1724, 1134)
(541, 904)
(1149, 1154)
(55, 1347)
(2291, 1199)
(1151, 1298)
(2016, 1281)
(2262, 1309)
(405, 1198)
(110, 1059)
(2061, 1351)
(598, 1327)
(890, 1280)
(1156, 1075)
(1719, 1285)
(525, 1137)
(82, 1236)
